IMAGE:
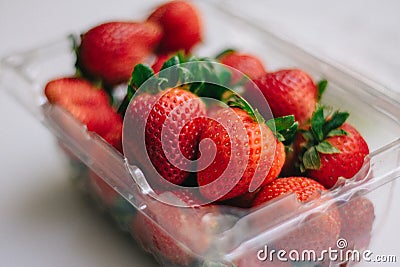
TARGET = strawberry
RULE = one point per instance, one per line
(90, 105)
(331, 148)
(159, 62)
(246, 200)
(319, 230)
(245, 63)
(290, 92)
(357, 217)
(247, 137)
(148, 113)
(153, 113)
(303, 187)
(243, 201)
(110, 51)
(102, 190)
(121, 210)
(181, 24)
(177, 234)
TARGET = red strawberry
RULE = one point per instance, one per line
(89, 105)
(246, 200)
(289, 92)
(181, 24)
(243, 201)
(110, 51)
(177, 234)
(303, 187)
(357, 217)
(171, 111)
(104, 191)
(331, 148)
(246, 136)
(159, 62)
(76, 92)
(248, 64)
(319, 231)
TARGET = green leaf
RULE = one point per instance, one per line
(197, 88)
(317, 123)
(224, 75)
(173, 61)
(302, 168)
(285, 128)
(185, 75)
(258, 116)
(283, 123)
(311, 159)
(326, 148)
(141, 73)
(239, 102)
(307, 135)
(290, 134)
(225, 52)
(321, 88)
(337, 132)
(182, 56)
(337, 120)
(75, 43)
(123, 106)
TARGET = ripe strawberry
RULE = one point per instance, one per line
(110, 51)
(177, 234)
(102, 190)
(331, 148)
(159, 62)
(289, 92)
(246, 136)
(303, 187)
(319, 231)
(248, 64)
(119, 208)
(89, 105)
(246, 200)
(181, 24)
(177, 112)
(357, 217)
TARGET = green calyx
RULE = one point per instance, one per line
(285, 128)
(321, 87)
(324, 124)
(205, 79)
(225, 52)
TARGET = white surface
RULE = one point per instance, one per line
(44, 221)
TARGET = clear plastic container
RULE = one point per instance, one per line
(223, 235)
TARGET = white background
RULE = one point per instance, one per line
(45, 221)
